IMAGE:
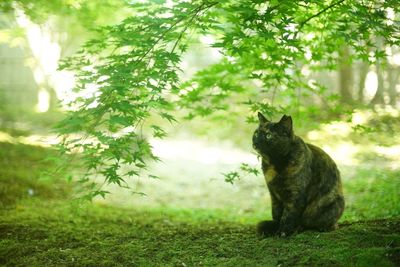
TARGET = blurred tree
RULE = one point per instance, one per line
(266, 47)
(393, 74)
(379, 94)
(380, 62)
(346, 76)
(363, 68)
(18, 90)
(54, 30)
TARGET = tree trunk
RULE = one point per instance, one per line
(363, 71)
(393, 77)
(346, 76)
(53, 99)
(378, 97)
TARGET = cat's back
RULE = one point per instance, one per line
(320, 158)
(323, 167)
(325, 194)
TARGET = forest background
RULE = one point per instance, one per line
(147, 109)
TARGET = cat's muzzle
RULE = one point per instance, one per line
(256, 140)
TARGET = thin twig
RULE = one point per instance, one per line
(320, 12)
(196, 11)
(316, 15)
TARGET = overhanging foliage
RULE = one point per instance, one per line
(135, 66)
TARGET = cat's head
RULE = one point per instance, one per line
(273, 138)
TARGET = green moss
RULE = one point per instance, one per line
(56, 234)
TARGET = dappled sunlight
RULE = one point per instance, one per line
(200, 151)
(191, 168)
(387, 110)
(190, 171)
(338, 129)
(5, 137)
(43, 101)
(332, 138)
(360, 117)
(190, 175)
(45, 51)
(343, 153)
(35, 139)
(371, 84)
(347, 141)
(391, 153)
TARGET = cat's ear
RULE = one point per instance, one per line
(261, 118)
(287, 123)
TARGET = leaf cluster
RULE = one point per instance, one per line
(134, 67)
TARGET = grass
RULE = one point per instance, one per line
(20, 170)
(52, 235)
(47, 229)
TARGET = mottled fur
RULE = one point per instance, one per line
(303, 181)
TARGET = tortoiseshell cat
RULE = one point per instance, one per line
(303, 181)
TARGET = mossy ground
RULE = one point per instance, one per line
(46, 229)
(52, 235)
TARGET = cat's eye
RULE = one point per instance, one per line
(268, 135)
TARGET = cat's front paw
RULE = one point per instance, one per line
(285, 231)
(282, 234)
(267, 228)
